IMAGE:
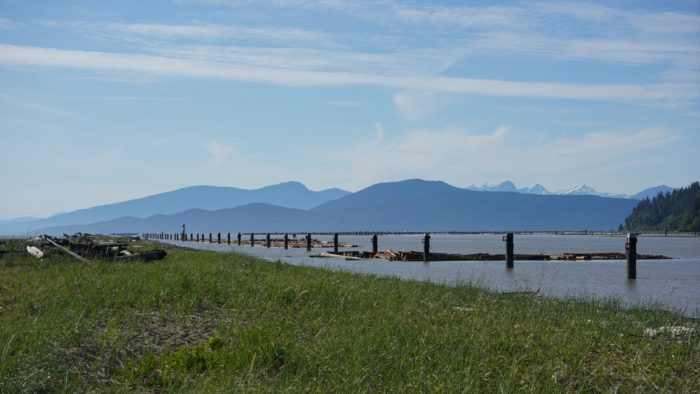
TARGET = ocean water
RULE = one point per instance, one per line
(670, 284)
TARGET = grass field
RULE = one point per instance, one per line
(204, 321)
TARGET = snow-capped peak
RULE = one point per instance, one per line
(578, 190)
(538, 189)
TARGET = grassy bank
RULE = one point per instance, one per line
(206, 321)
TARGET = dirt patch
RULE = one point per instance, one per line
(158, 332)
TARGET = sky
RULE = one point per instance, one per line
(106, 101)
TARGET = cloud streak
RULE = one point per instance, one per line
(14, 55)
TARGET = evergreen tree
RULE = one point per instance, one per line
(678, 210)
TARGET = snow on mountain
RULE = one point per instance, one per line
(505, 186)
(538, 189)
(509, 186)
(578, 190)
(585, 190)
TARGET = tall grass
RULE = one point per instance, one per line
(206, 321)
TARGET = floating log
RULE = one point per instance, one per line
(419, 256)
(345, 255)
(390, 255)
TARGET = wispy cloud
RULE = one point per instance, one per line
(462, 156)
(218, 152)
(120, 98)
(559, 30)
(417, 105)
(35, 106)
(208, 31)
(598, 49)
(6, 24)
(13, 55)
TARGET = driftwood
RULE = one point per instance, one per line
(354, 255)
(80, 246)
(67, 251)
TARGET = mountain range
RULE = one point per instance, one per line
(578, 190)
(411, 205)
(287, 194)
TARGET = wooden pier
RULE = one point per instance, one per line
(419, 256)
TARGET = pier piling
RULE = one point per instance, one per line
(375, 244)
(308, 242)
(335, 243)
(426, 247)
(631, 250)
(509, 250)
(286, 241)
(267, 240)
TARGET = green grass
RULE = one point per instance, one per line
(203, 321)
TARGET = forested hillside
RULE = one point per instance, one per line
(678, 210)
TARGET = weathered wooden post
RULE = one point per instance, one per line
(202, 238)
(228, 238)
(210, 238)
(239, 239)
(286, 241)
(252, 239)
(509, 250)
(197, 237)
(375, 244)
(335, 243)
(308, 242)
(267, 240)
(631, 249)
(426, 247)
(191, 237)
(218, 238)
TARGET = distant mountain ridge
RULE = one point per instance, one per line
(652, 192)
(411, 205)
(578, 190)
(287, 194)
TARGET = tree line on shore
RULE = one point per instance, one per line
(678, 210)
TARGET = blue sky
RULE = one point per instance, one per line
(106, 101)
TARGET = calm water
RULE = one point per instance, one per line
(672, 284)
